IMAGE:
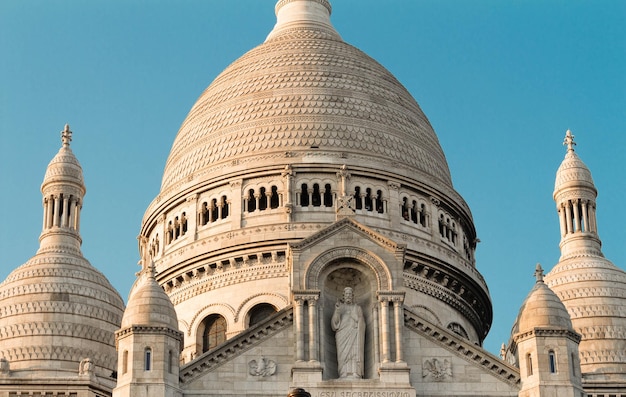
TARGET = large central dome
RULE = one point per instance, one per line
(304, 89)
(307, 139)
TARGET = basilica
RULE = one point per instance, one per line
(307, 236)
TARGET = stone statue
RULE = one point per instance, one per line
(86, 367)
(349, 326)
(5, 367)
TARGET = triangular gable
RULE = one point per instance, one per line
(237, 345)
(471, 353)
(348, 224)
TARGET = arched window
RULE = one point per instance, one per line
(304, 195)
(379, 202)
(423, 215)
(573, 363)
(260, 312)
(358, 200)
(125, 362)
(147, 359)
(215, 211)
(529, 364)
(183, 221)
(224, 202)
(214, 332)
(328, 196)
(552, 361)
(262, 200)
(251, 201)
(204, 214)
(458, 329)
(274, 198)
(405, 209)
(316, 197)
(170, 362)
(368, 199)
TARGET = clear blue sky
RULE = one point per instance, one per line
(500, 81)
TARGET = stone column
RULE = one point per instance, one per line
(384, 325)
(585, 216)
(376, 322)
(57, 209)
(563, 221)
(313, 329)
(66, 209)
(576, 216)
(299, 325)
(568, 217)
(399, 325)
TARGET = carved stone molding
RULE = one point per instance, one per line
(463, 349)
(436, 369)
(233, 347)
(262, 367)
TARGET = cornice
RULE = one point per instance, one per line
(463, 349)
(238, 344)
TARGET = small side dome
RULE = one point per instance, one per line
(150, 305)
(542, 309)
(572, 172)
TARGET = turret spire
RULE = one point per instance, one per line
(539, 273)
(66, 136)
(569, 141)
(63, 189)
(575, 196)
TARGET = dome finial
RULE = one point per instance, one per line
(539, 273)
(66, 136)
(569, 141)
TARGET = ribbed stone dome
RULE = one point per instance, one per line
(149, 305)
(572, 172)
(50, 303)
(304, 89)
(543, 309)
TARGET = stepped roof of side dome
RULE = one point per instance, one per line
(304, 89)
(149, 305)
(572, 171)
(58, 297)
(542, 308)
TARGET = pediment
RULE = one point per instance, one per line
(237, 347)
(348, 227)
(460, 348)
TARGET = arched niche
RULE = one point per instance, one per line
(333, 278)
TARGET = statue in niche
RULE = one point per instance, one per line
(349, 326)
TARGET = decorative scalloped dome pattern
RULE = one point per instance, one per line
(305, 88)
(64, 167)
(149, 305)
(542, 309)
(572, 169)
(594, 292)
(49, 303)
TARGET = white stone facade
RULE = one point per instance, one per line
(305, 168)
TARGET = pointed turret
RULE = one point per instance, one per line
(591, 287)
(63, 189)
(149, 342)
(546, 345)
(59, 313)
(575, 196)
